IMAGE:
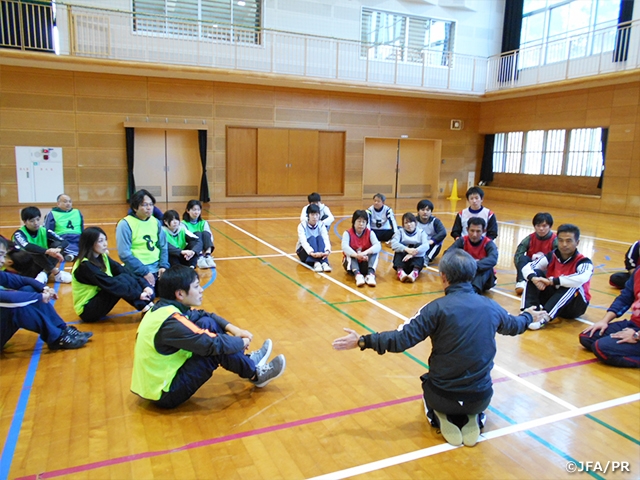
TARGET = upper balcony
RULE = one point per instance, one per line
(89, 32)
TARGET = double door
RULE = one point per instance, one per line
(167, 164)
(401, 168)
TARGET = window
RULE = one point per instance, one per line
(392, 36)
(575, 152)
(221, 20)
(556, 30)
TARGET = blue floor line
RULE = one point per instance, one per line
(18, 416)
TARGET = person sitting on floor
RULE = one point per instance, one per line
(67, 222)
(619, 279)
(558, 282)
(47, 249)
(178, 347)
(314, 247)
(483, 250)
(534, 246)
(360, 249)
(410, 245)
(25, 303)
(618, 343)
(99, 282)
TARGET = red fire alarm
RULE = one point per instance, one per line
(45, 154)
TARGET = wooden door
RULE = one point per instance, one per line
(303, 162)
(379, 175)
(331, 163)
(273, 161)
(149, 154)
(242, 161)
(419, 168)
(184, 168)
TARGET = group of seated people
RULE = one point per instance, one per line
(551, 274)
(178, 346)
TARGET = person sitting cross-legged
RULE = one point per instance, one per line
(483, 250)
(178, 347)
(618, 343)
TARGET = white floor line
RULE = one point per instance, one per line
(342, 285)
(521, 381)
(411, 456)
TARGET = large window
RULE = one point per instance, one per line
(392, 36)
(575, 152)
(223, 20)
(557, 30)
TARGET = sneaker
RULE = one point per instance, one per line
(62, 277)
(402, 275)
(370, 280)
(270, 371)
(69, 258)
(77, 333)
(414, 275)
(42, 277)
(470, 431)
(520, 287)
(202, 263)
(326, 267)
(482, 418)
(261, 356)
(359, 280)
(67, 341)
(450, 431)
(147, 307)
(538, 325)
(317, 267)
(210, 261)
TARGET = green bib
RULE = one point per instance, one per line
(178, 240)
(144, 239)
(68, 222)
(153, 372)
(82, 292)
(41, 237)
(194, 227)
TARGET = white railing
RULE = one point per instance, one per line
(606, 50)
(110, 34)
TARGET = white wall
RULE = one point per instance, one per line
(478, 22)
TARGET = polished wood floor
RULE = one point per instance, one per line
(70, 414)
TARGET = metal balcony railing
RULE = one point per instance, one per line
(81, 31)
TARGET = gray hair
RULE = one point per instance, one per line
(458, 266)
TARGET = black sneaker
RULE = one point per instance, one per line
(270, 371)
(73, 331)
(67, 342)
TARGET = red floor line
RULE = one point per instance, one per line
(259, 431)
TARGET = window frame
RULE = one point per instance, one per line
(589, 149)
(426, 55)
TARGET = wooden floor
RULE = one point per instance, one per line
(70, 414)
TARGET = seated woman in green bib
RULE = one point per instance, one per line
(99, 282)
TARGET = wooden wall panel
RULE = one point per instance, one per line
(303, 162)
(272, 169)
(242, 167)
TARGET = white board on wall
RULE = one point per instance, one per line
(40, 174)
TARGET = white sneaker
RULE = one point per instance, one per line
(401, 275)
(370, 280)
(326, 267)
(413, 276)
(317, 267)
(202, 263)
(210, 261)
(62, 277)
(359, 280)
(43, 278)
(520, 287)
(538, 325)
